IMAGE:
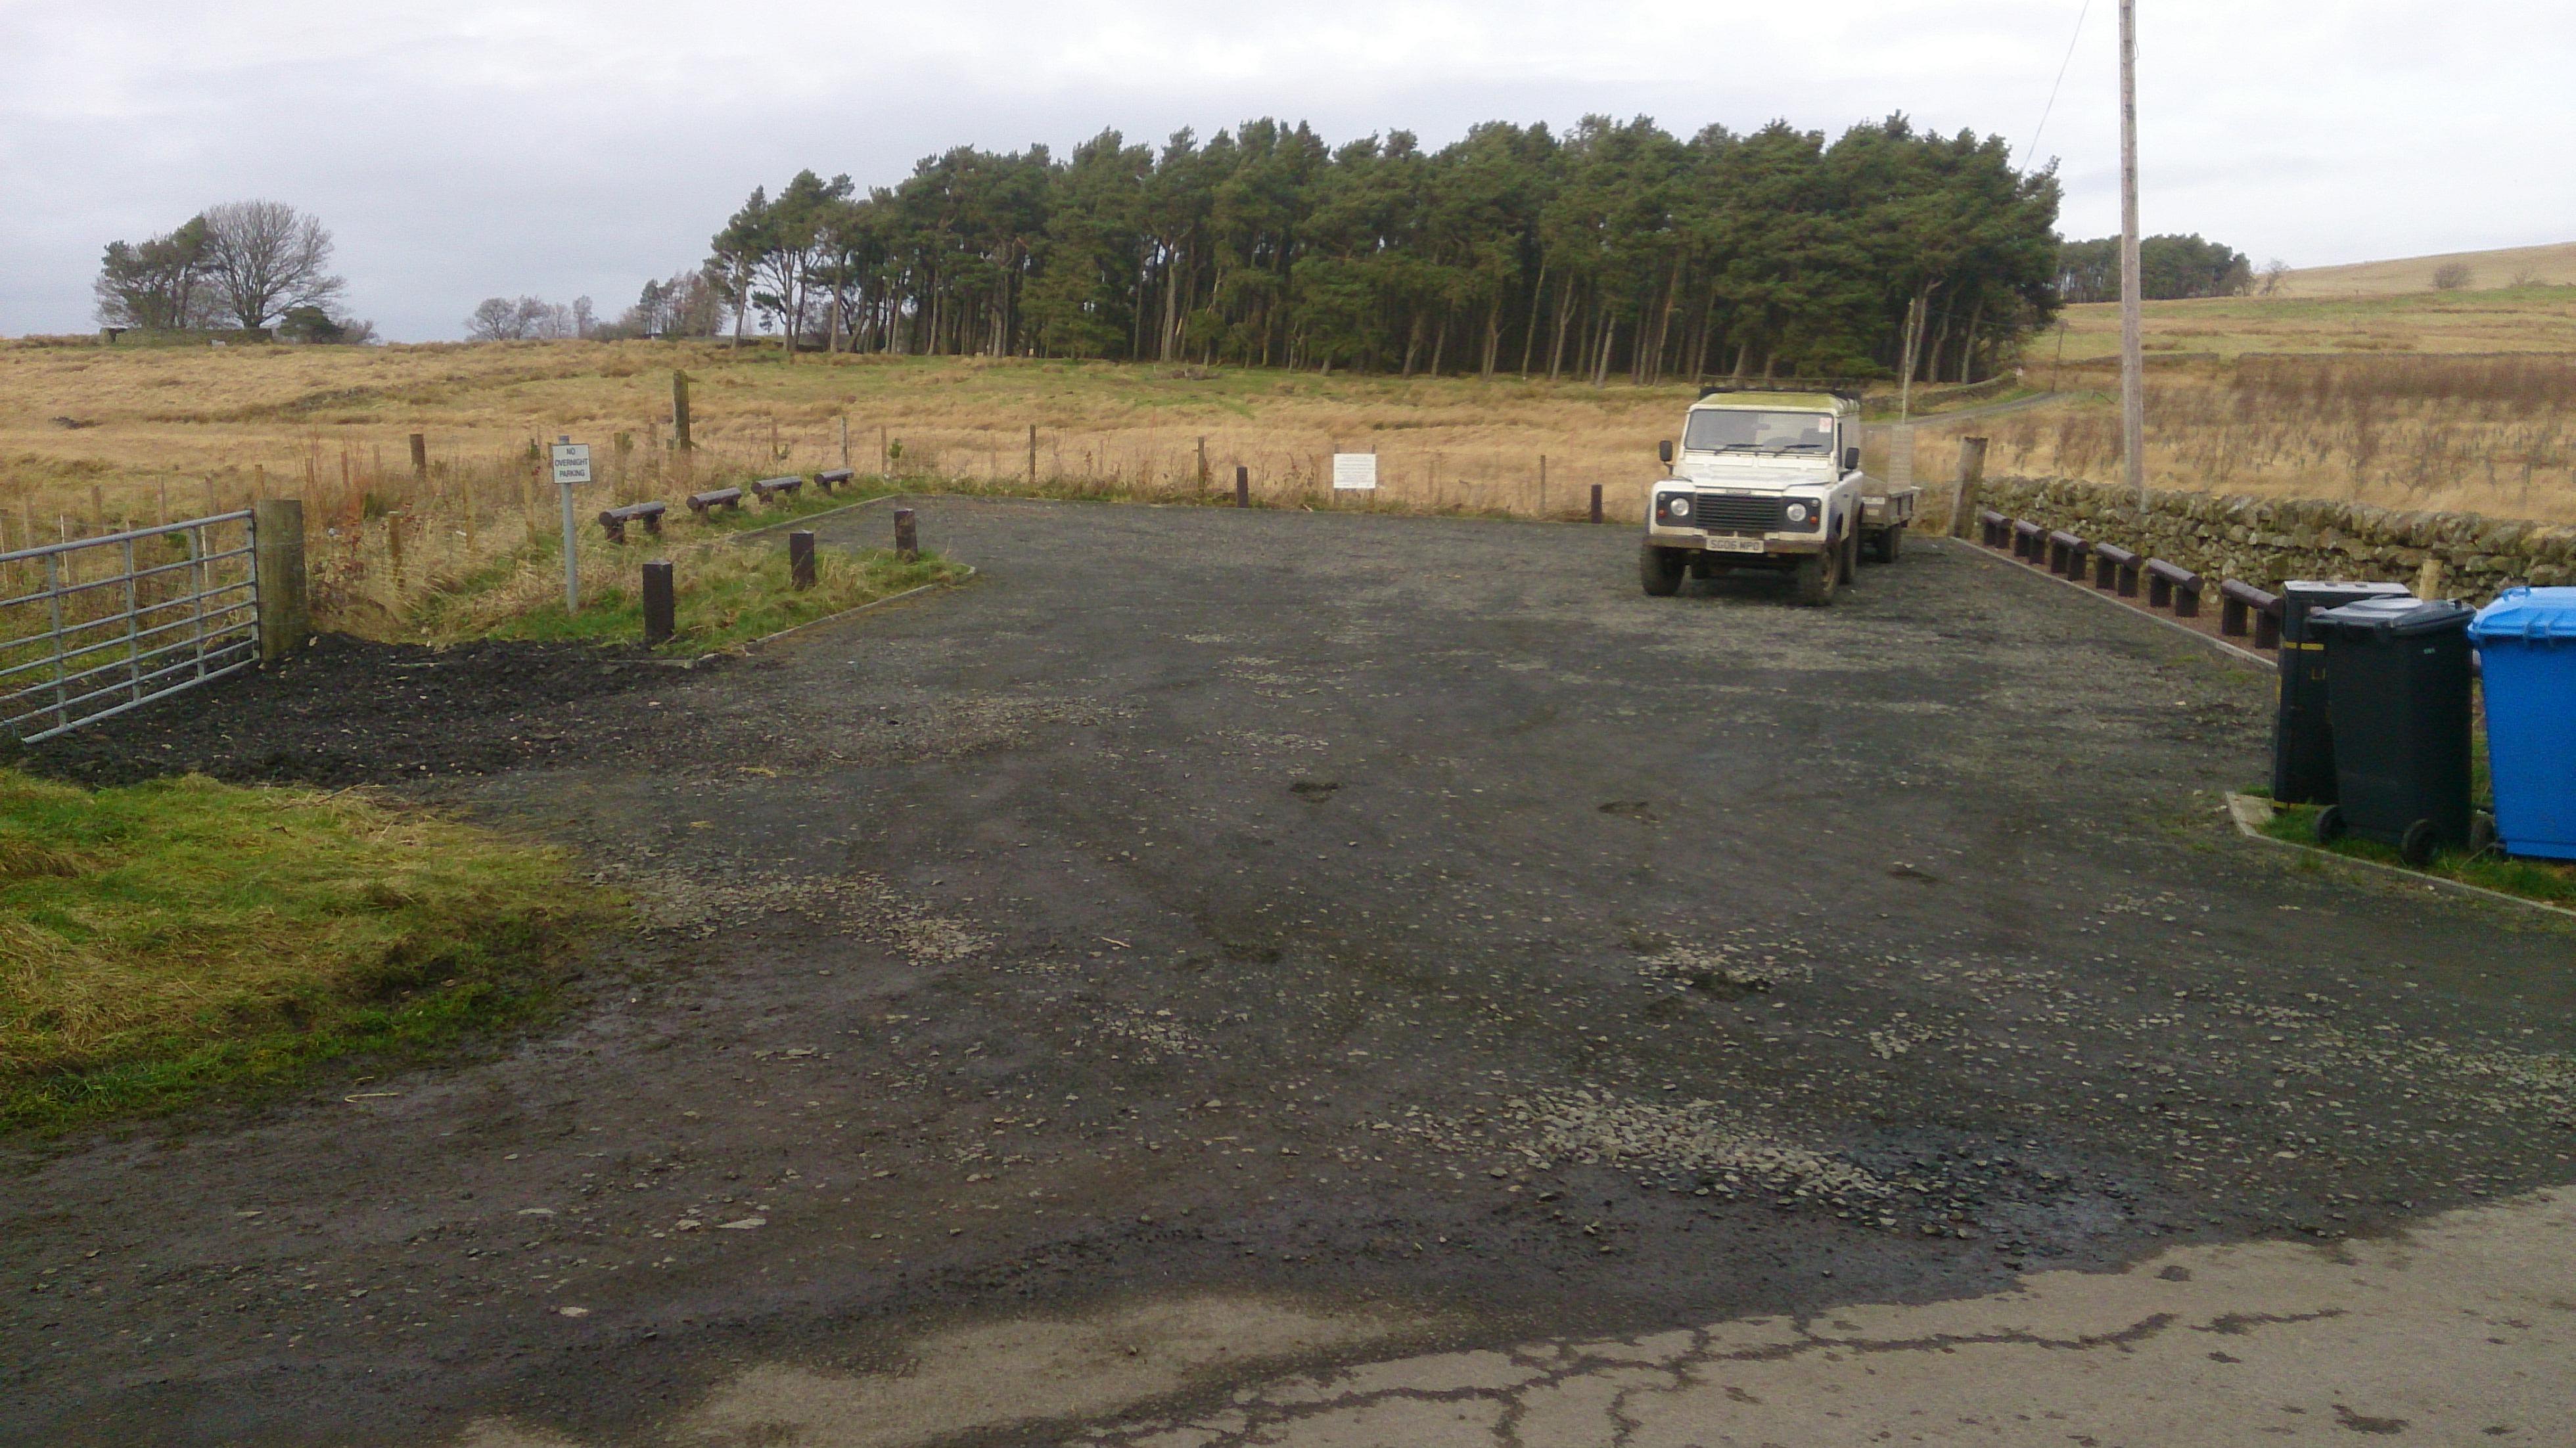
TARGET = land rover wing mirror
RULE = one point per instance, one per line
(1664, 450)
(1851, 459)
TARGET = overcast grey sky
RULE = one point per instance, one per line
(467, 148)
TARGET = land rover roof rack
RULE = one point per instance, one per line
(1830, 389)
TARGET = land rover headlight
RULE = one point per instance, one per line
(1678, 505)
(1798, 511)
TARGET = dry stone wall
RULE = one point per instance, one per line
(2267, 540)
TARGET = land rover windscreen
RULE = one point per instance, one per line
(1727, 430)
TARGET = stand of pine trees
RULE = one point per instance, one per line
(1615, 249)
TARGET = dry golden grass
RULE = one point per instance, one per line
(2553, 265)
(2516, 319)
(2492, 435)
(302, 419)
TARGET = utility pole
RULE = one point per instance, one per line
(2133, 382)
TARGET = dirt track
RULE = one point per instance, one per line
(1403, 917)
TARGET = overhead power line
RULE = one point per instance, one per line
(2030, 153)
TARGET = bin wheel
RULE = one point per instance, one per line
(2329, 825)
(2416, 846)
(2482, 832)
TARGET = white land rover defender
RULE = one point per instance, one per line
(1770, 480)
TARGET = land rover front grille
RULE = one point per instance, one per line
(1721, 513)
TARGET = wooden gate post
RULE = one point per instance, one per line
(680, 411)
(1963, 493)
(277, 551)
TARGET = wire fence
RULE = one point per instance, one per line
(95, 626)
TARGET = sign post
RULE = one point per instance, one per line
(1355, 472)
(572, 468)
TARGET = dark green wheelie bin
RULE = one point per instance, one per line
(2397, 685)
(2303, 770)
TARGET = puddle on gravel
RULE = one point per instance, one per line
(694, 905)
(1000, 1374)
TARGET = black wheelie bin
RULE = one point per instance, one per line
(2303, 770)
(2397, 686)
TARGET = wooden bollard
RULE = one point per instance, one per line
(1596, 502)
(907, 544)
(800, 559)
(1242, 486)
(419, 456)
(661, 605)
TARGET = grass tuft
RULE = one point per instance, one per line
(161, 940)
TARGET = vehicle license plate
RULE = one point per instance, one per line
(1721, 543)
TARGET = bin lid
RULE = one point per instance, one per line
(2356, 591)
(2527, 615)
(2396, 617)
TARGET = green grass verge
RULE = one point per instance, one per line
(728, 592)
(2545, 881)
(163, 941)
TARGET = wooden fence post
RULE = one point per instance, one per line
(419, 457)
(277, 552)
(1242, 486)
(1963, 493)
(680, 411)
(1033, 455)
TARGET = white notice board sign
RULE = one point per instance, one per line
(572, 463)
(1355, 471)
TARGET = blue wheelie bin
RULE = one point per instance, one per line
(2527, 644)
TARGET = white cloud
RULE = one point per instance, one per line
(466, 149)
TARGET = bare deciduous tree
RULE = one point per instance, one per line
(2451, 276)
(2274, 273)
(266, 258)
(499, 319)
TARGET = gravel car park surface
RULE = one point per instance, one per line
(1404, 918)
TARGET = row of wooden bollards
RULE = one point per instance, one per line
(661, 586)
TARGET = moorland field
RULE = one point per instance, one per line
(2451, 400)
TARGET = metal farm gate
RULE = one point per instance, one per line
(97, 626)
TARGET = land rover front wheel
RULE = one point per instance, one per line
(1815, 577)
(1660, 569)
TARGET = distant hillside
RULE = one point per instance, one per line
(2487, 269)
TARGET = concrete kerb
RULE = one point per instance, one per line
(765, 640)
(2250, 813)
(2089, 591)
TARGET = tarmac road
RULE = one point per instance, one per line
(1217, 944)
